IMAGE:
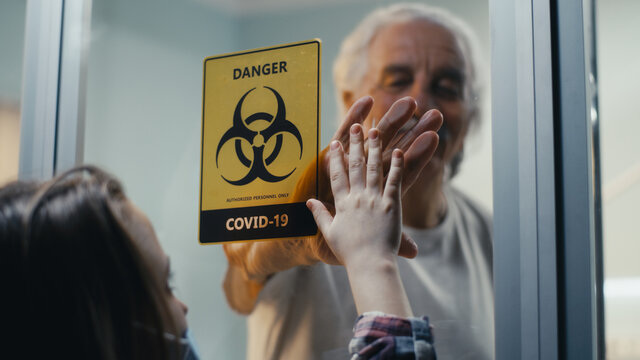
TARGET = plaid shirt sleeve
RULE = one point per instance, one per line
(380, 336)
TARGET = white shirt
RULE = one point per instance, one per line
(308, 312)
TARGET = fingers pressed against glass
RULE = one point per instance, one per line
(392, 188)
(356, 158)
(356, 115)
(430, 121)
(374, 164)
(399, 113)
(338, 175)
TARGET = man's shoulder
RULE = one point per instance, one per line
(471, 217)
(468, 206)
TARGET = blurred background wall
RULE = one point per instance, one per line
(12, 19)
(618, 34)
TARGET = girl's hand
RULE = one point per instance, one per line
(367, 224)
(365, 233)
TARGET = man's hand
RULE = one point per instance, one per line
(255, 261)
(416, 142)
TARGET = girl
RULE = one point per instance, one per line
(89, 280)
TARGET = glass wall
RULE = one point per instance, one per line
(143, 119)
(12, 26)
(143, 114)
(618, 31)
(144, 101)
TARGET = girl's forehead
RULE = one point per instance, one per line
(144, 237)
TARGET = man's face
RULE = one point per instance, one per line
(424, 61)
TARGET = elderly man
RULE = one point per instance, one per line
(306, 312)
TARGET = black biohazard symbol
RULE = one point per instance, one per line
(239, 131)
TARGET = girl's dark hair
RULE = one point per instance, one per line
(83, 289)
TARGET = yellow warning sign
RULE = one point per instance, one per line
(260, 135)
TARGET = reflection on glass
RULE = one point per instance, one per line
(143, 116)
(618, 29)
(12, 23)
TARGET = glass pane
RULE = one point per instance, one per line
(618, 28)
(12, 24)
(143, 122)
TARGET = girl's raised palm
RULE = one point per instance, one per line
(367, 221)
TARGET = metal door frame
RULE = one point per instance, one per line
(548, 295)
(54, 83)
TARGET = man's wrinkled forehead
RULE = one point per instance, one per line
(415, 43)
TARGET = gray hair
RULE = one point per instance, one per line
(351, 63)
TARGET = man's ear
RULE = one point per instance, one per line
(473, 120)
(347, 99)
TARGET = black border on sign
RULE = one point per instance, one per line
(204, 77)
